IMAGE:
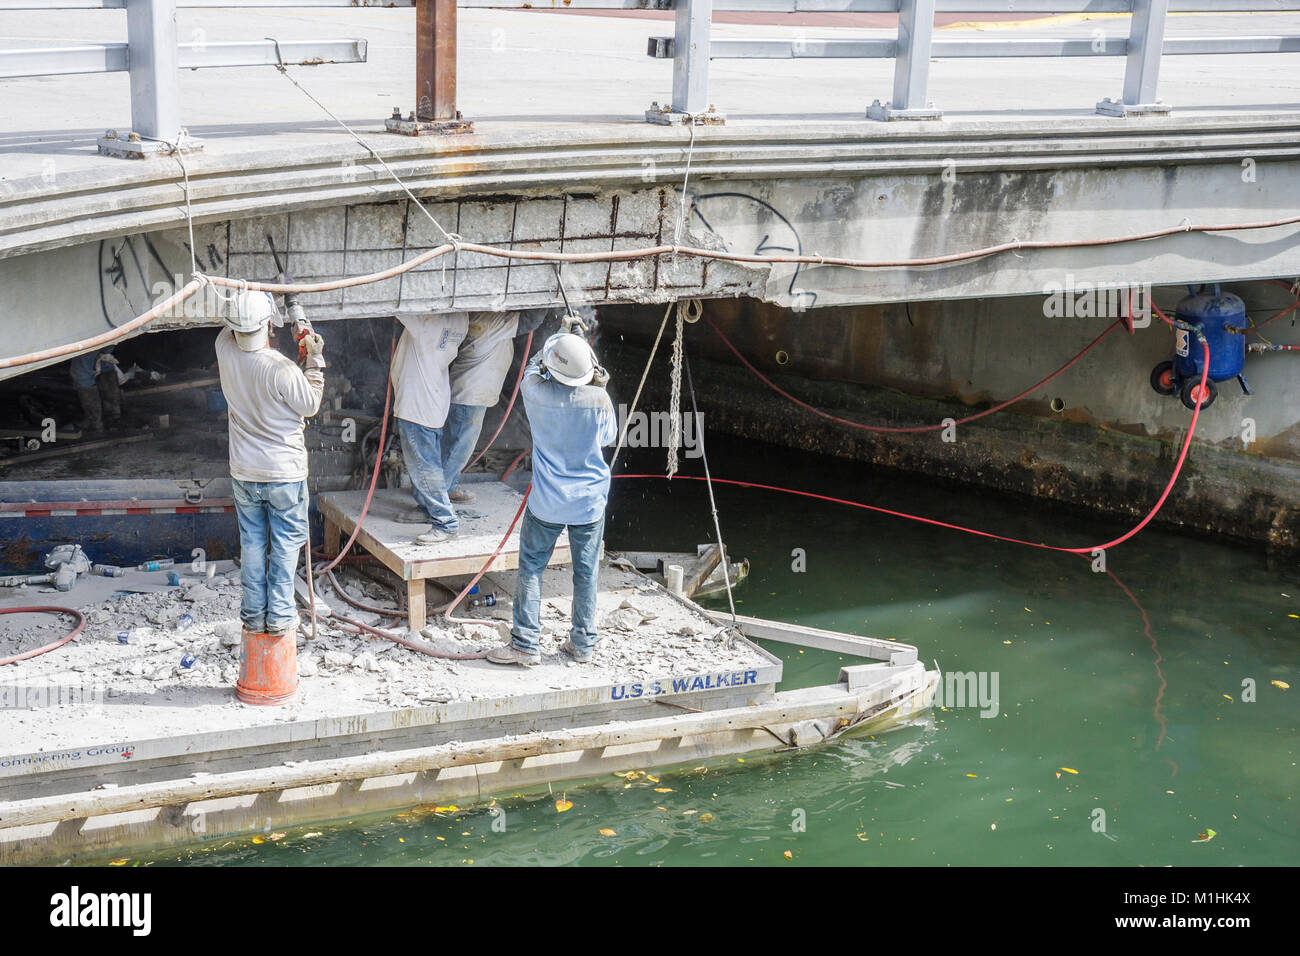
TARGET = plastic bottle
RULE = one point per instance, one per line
(124, 637)
(185, 623)
(188, 661)
(488, 600)
(108, 571)
(156, 565)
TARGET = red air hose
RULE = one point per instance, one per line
(1178, 467)
(528, 344)
(45, 609)
(379, 457)
(912, 428)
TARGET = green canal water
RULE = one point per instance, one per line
(1121, 736)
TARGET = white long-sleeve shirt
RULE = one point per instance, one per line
(421, 387)
(267, 396)
(484, 358)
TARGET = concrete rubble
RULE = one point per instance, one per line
(146, 689)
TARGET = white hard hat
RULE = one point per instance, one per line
(570, 359)
(248, 314)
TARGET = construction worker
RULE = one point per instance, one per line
(422, 390)
(94, 375)
(572, 419)
(476, 377)
(268, 397)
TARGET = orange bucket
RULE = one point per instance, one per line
(268, 668)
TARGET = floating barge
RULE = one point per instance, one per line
(144, 752)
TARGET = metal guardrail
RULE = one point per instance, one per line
(152, 55)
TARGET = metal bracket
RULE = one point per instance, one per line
(886, 112)
(666, 116)
(135, 146)
(1118, 107)
(192, 490)
(410, 126)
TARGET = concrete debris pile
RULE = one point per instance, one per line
(164, 659)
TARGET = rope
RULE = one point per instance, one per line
(675, 395)
(713, 504)
(622, 436)
(449, 236)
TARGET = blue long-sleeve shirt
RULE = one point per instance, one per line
(570, 424)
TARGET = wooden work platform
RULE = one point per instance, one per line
(482, 524)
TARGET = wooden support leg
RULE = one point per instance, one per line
(332, 537)
(415, 603)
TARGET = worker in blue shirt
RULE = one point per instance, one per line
(572, 419)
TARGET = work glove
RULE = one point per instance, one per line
(573, 324)
(310, 349)
(600, 378)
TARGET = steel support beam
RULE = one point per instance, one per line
(1146, 41)
(911, 65)
(155, 68)
(435, 60)
(691, 45)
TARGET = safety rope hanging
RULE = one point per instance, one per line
(675, 395)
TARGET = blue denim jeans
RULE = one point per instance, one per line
(422, 452)
(536, 542)
(464, 425)
(272, 530)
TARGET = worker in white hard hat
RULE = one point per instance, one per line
(422, 396)
(268, 396)
(572, 419)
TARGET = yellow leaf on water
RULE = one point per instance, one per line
(665, 809)
(1227, 697)
(1069, 770)
(117, 862)
(606, 831)
(1058, 775)
(740, 760)
(652, 778)
(663, 789)
(401, 839)
(788, 855)
(275, 837)
(258, 839)
(976, 776)
(706, 817)
(451, 809)
(562, 805)
(1280, 684)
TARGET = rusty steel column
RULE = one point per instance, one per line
(435, 60)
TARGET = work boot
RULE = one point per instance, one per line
(573, 652)
(462, 497)
(434, 535)
(509, 654)
(110, 394)
(92, 409)
(412, 516)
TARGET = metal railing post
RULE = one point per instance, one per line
(1146, 41)
(692, 35)
(155, 69)
(911, 65)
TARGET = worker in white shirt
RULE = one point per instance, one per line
(422, 389)
(476, 377)
(268, 397)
